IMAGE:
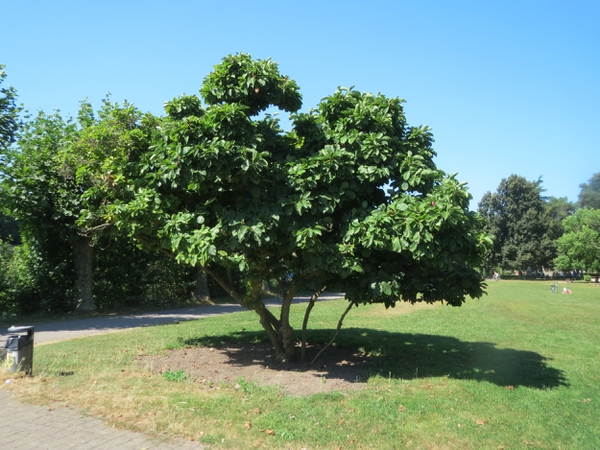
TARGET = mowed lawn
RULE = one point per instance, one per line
(517, 369)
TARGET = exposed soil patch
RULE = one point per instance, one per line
(335, 370)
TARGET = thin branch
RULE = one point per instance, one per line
(337, 331)
(310, 306)
(89, 231)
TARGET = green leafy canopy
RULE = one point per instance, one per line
(350, 198)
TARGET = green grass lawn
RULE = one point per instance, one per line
(519, 368)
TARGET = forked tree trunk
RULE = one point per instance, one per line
(83, 260)
(280, 333)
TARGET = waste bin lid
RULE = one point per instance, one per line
(17, 342)
(23, 329)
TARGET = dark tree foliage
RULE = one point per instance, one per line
(9, 114)
(126, 276)
(9, 125)
(9, 230)
(524, 223)
(589, 196)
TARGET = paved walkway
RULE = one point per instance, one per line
(27, 427)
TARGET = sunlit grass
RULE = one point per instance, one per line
(519, 368)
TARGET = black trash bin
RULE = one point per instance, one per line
(19, 350)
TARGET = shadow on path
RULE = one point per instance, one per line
(67, 329)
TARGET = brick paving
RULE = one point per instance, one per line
(29, 427)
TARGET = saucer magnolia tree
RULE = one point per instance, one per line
(349, 199)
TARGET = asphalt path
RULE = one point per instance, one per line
(73, 328)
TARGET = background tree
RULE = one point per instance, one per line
(579, 247)
(557, 209)
(9, 114)
(32, 192)
(9, 125)
(223, 187)
(589, 196)
(523, 226)
(55, 183)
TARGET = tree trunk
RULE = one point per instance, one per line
(201, 292)
(286, 332)
(280, 333)
(83, 260)
(337, 331)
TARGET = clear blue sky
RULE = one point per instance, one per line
(507, 86)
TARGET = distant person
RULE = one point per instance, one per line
(496, 277)
(566, 291)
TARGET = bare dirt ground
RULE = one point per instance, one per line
(335, 370)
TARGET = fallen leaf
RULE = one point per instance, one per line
(271, 432)
(510, 388)
(401, 408)
(191, 439)
(202, 433)
(459, 425)
(247, 425)
(341, 422)
(480, 422)
(587, 400)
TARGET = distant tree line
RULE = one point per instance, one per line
(538, 234)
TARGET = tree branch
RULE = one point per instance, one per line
(310, 306)
(225, 285)
(87, 232)
(337, 331)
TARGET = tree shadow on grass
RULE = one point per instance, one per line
(402, 356)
